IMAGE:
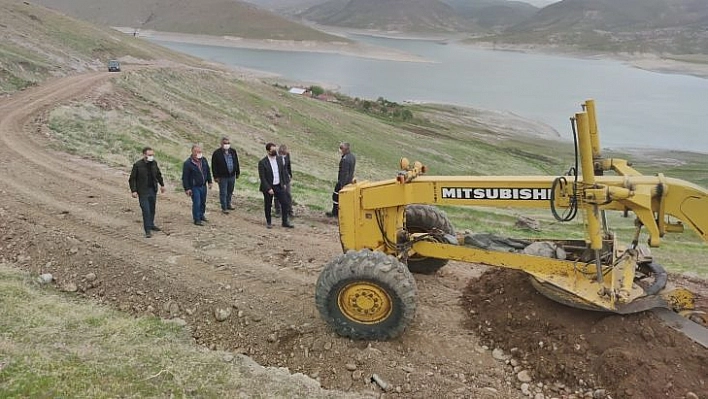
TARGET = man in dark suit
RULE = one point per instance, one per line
(347, 164)
(225, 169)
(284, 153)
(143, 182)
(274, 181)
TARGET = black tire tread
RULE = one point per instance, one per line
(422, 219)
(378, 267)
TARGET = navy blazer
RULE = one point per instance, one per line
(192, 176)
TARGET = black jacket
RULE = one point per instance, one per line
(139, 180)
(346, 169)
(265, 173)
(285, 159)
(218, 164)
(192, 176)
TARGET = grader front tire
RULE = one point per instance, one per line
(426, 219)
(366, 295)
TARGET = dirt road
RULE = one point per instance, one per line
(69, 216)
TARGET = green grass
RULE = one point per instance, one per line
(55, 345)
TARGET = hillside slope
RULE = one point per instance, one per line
(209, 17)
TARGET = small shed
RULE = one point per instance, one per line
(297, 90)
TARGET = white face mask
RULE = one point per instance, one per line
(227, 146)
(199, 155)
(150, 158)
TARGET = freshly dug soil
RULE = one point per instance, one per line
(631, 356)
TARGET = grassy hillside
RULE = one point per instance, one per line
(644, 26)
(208, 17)
(36, 43)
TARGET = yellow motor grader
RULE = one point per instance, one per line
(389, 229)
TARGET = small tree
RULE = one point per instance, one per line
(316, 90)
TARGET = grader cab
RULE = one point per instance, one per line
(389, 229)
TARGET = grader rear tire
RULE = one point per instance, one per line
(366, 295)
(426, 219)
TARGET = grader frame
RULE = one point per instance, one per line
(368, 292)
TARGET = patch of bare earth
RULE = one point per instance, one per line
(571, 350)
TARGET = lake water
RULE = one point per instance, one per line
(636, 108)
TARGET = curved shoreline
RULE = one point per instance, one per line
(690, 65)
(362, 50)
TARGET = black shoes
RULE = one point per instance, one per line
(155, 228)
(199, 223)
(269, 226)
(224, 211)
(288, 225)
(204, 219)
(331, 214)
(148, 234)
(231, 208)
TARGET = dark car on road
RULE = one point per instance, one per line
(113, 66)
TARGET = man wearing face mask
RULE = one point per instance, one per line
(143, 182)
(347, 163)
(225, 168)
(274, 180)
(196, 175)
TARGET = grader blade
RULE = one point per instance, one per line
(684, 323)
(692, 330)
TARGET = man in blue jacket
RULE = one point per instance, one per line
(195, 178)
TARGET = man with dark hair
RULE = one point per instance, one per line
(347, 164)
(285, 158)
(195, 178)
(143, 181)
(274, 181)
(225, 168)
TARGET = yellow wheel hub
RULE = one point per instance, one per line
(364, 302)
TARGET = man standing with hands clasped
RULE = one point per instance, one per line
(225, 168)
(143, 182)
(195, 178)
(347, 164)
(274, 181)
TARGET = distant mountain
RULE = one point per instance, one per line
(671, 26)
(420, 15)
(619, 15)
(390, 15)
(493, 13)
(211, 17)
(286, 7)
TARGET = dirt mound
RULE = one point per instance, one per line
(632, 356)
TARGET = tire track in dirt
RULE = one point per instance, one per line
(80, 216)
